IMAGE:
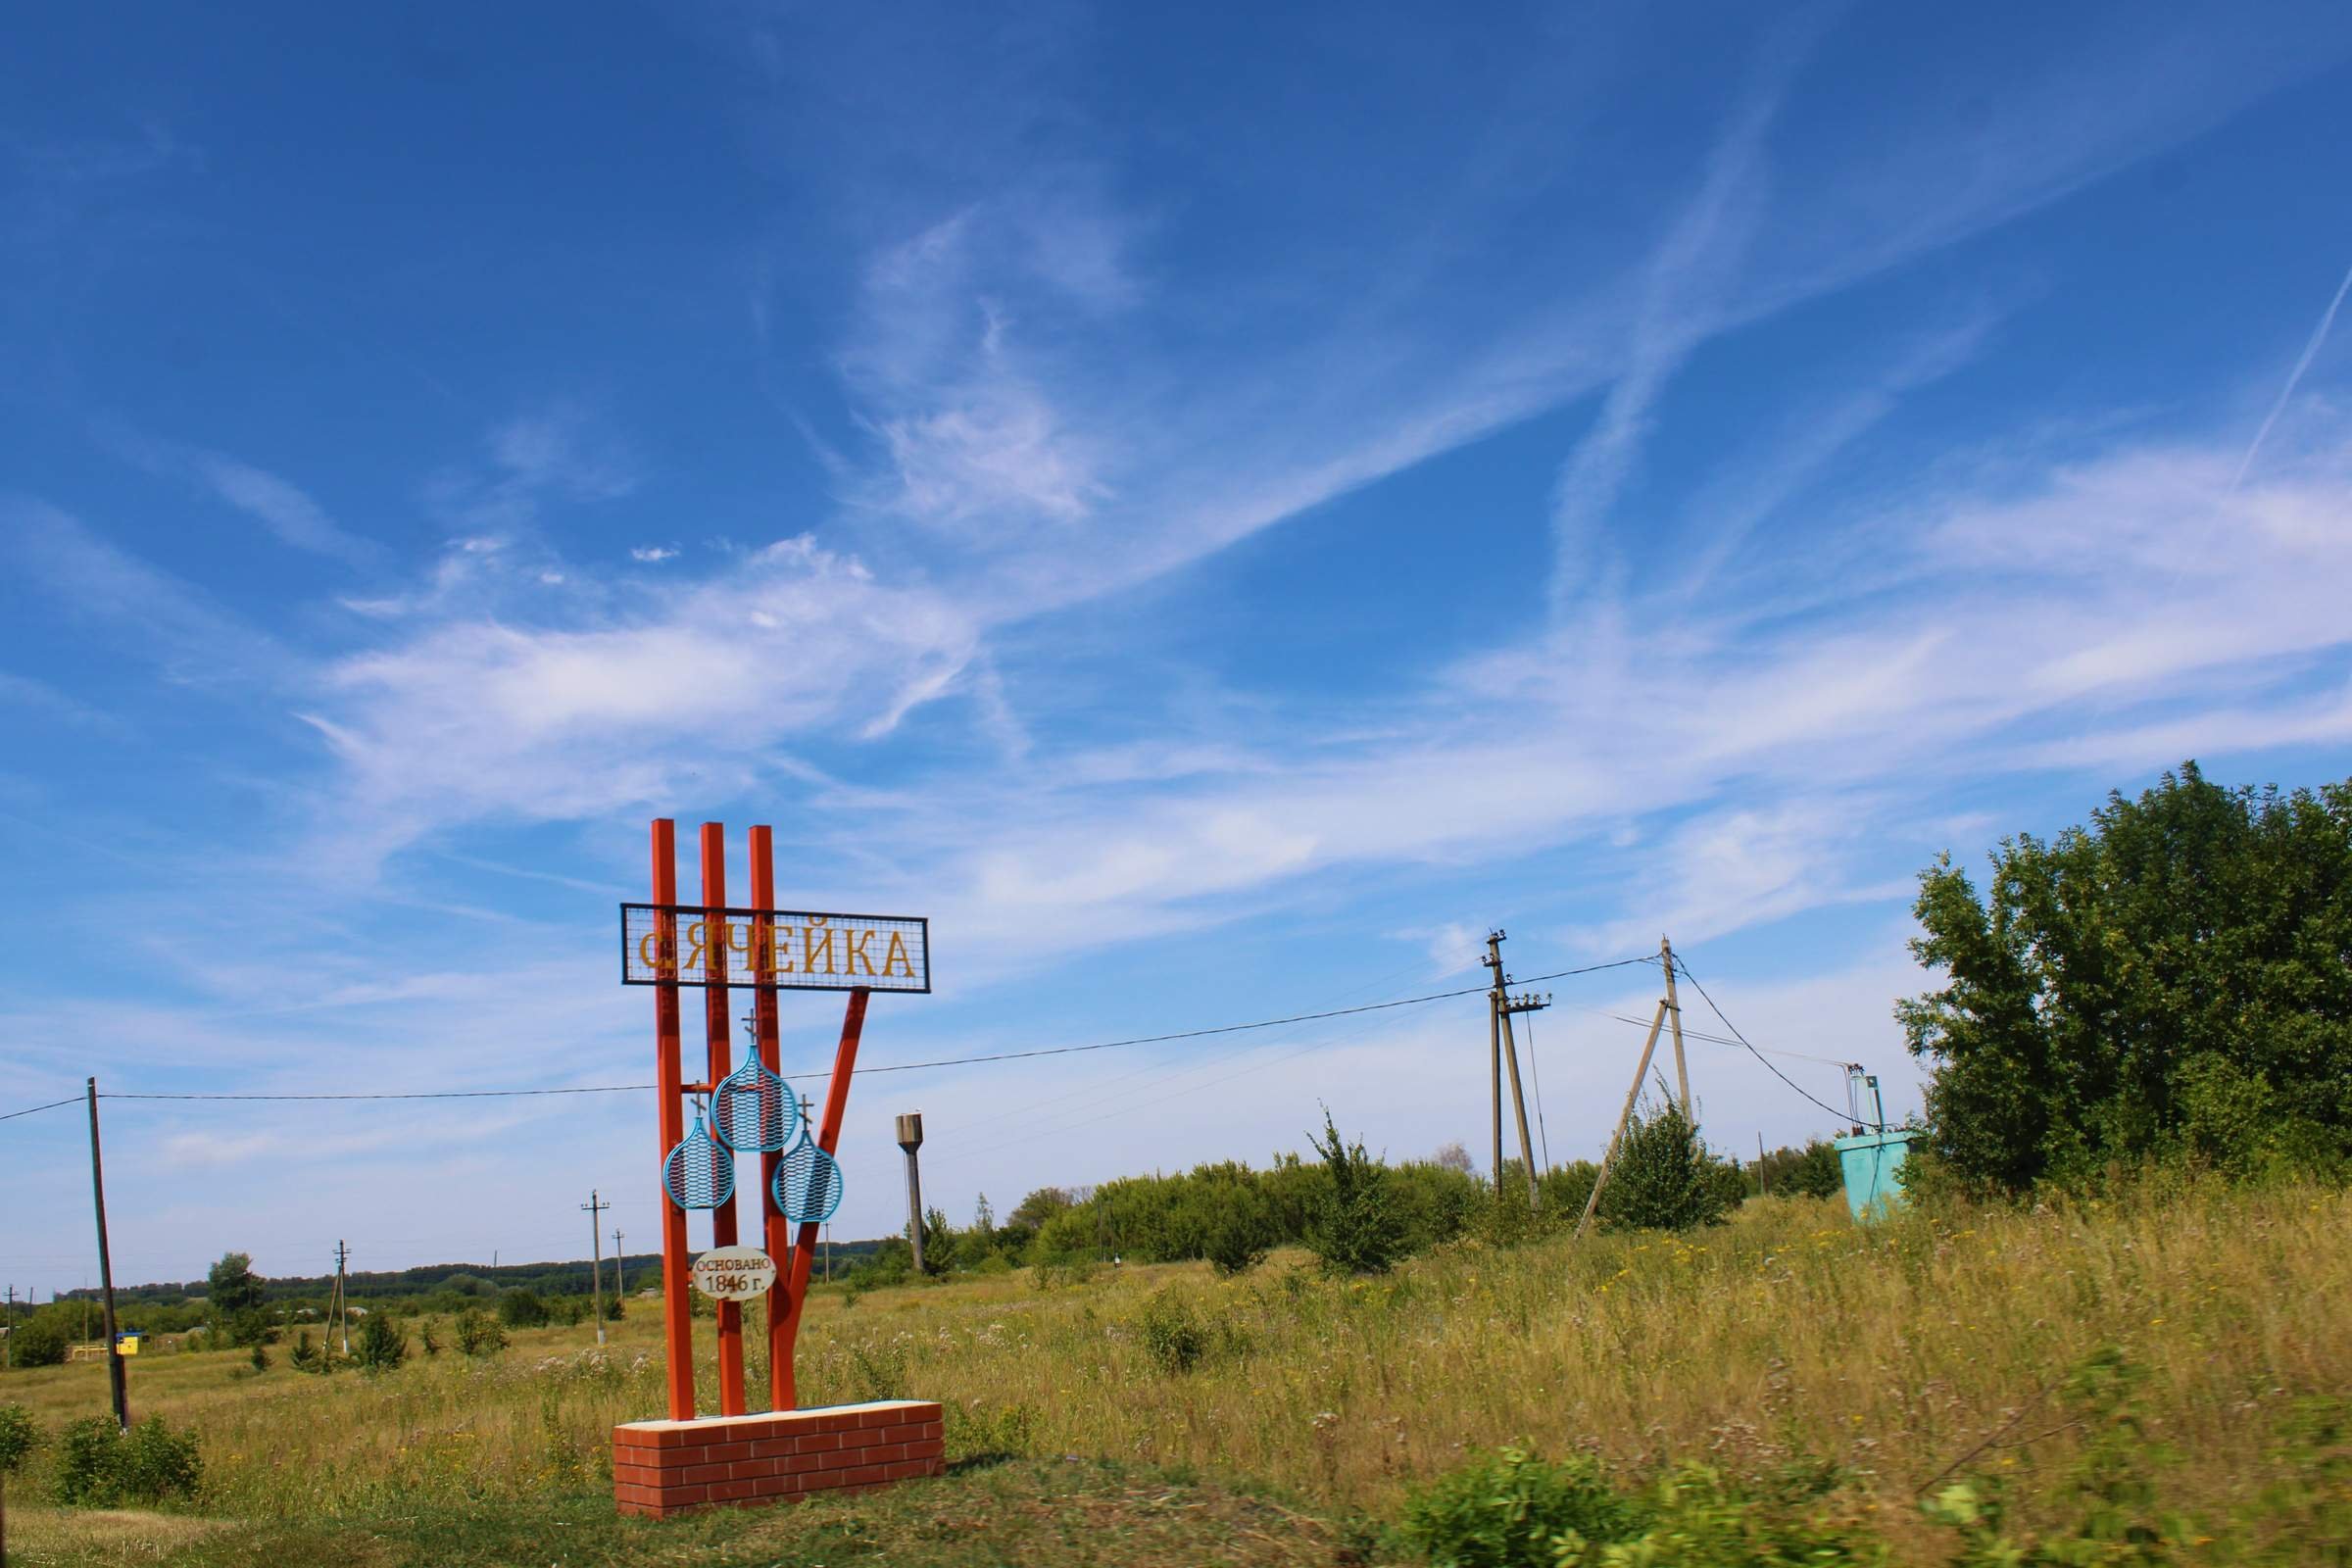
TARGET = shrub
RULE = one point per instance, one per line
(19, 1437)
(101, 1466)
(309, 1357)
(382, 1347)
(1170, 1333)
(250, 1326)
(1663, 1178)
(37, 1342)
(426, 1338)
(1353, 1231)
(1506, 1510)
(477, 1335)
(1241, 1234)
(522, 1309)
(260, 1359)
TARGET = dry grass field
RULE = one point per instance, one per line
(1269, 1417)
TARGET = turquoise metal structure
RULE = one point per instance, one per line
(1873, 1165)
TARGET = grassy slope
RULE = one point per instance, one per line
(1890, 1353)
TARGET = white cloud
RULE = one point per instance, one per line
(650, 553)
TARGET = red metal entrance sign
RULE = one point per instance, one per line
(713, 947)
(790, 950)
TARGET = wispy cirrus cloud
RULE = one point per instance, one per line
(289, 514)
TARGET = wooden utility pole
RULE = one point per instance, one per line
(620, 1288)
(118, 1376)
(595, 1208)
(1674, 1016)
(1610, 1159)
(1500, 1005)
(910, 1138)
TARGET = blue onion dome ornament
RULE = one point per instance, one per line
(808, 1185)
(755, 1111)
(699, 1173)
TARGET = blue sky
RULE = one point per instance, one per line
(1217, 510)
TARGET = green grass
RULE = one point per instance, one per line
(1788, 1336)
(1022, 1512)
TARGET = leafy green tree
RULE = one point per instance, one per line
(250, 1326)
(233, 1287)
(37, 1342)
(939, 1243)
(1040, 1206)
(1812, 1171)
(2174, 978)
(1355, 1228)
(1663, 1178)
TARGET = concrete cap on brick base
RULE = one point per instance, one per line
(661, 1468)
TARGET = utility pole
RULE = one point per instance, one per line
(596, 1208)
(339, 1310)
(117, 1374)
(1500, 1005)
(620, 1289)
(910, 1138)
(1609, 1158)
(1674, 1014)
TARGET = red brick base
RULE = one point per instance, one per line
(661, 1468)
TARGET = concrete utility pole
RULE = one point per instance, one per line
(340, 1309)
(910, 1138)
(1674, 1014)
(1494, 962)
(620, 1289)
(595, 1208)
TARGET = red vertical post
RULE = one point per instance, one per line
(677, 1314)
(717, 1030)
(828, 1137)
(774, 1233)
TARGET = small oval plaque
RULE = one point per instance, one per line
(734, 1273)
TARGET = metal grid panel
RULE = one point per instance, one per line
(699, 1173)
(755, 1111)
(808, 1186)
(781, 949)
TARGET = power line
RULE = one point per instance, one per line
(414, 1094)
(73, 1100)
(1724, 1040)
(903, 1066)
(1742, 1039)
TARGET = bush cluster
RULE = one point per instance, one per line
(99, 1465)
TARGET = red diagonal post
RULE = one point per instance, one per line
(677, 1314)
(828, 1136)
(718, 1031)
(775, 1235)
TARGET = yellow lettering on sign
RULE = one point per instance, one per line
(854, 947)
(896, 961)
(739, 937)
(809, 948)
(694, 947)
